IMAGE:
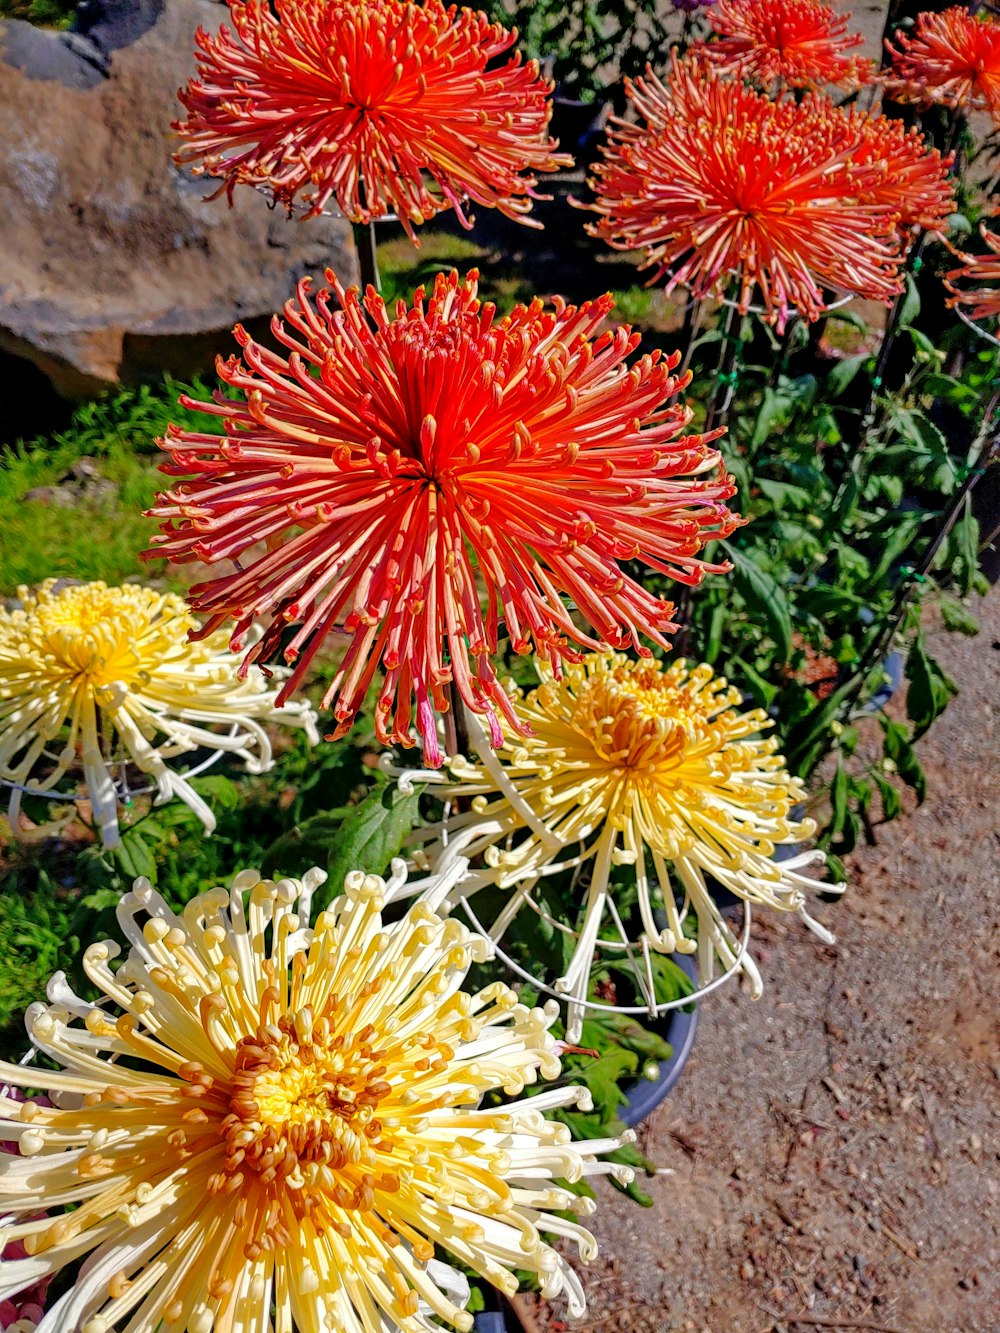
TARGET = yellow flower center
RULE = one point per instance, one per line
(633, 719)
(107, 635)
(302, 1116)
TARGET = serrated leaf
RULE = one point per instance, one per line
(957, 616)
(916, 427)
(910, 307)
(760, 591)
(891, 802)
(931, 689)
(843, 373)
(899, 749)
(135, 857)
(372, 833)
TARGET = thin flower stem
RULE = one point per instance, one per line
(781, 360)
(913, 265)
(726, 375)
(364, 240)
(987, 444)
(689, 330)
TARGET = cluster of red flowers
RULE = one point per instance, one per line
(383, 106)
(794, 43)
(416, 480)
(952, 57)
(724, 185)
(978, 301)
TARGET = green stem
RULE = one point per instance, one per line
(726, 375)
(689, 330)
(839, 704)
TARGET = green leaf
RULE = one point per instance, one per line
(306, 845)
(915, 426)
(851, 317)
(939, 385)
(135, 857)
(861, 791)
(783, 494)
(923, 348)
(930, 690)
(836, 871)
(844, 372)
(218, 791)
(761, 592)
(838, 799)
(771, 407)
(891, 802)
(372, 833)
(910, 307)
(902, 754)
(957, 616)
(966, 535)
(765, 691)
(848, 839)
(898, 541)
(716, 626)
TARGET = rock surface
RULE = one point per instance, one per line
(114, 265)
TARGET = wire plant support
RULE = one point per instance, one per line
(125, 792)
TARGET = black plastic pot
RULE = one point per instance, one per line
(678, 1027)
(578, 126)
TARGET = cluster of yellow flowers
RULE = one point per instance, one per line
(287, 1118)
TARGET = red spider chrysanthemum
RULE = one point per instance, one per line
(953, 57)
(979, 301)
(797, 43)
(416, 480)
(382, 106)
(727, 189)
(894, 166)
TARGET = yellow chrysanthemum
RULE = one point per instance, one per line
(633, 763)
(284, 1123)
(104, 672)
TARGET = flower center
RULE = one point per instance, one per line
(632, 721)
(304, 1100)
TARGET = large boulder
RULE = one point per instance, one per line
(113, 264)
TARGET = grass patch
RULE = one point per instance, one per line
(72, 506)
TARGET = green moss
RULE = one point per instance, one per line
(43, 13)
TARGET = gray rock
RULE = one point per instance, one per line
(114, 265)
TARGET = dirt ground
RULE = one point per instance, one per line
(835, 1144)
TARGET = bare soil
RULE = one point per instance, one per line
(834, 1145)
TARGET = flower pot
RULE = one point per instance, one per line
(678, 1027)
(578, 126)
(892, 666)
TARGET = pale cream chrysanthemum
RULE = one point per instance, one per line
(109, 676)
(636, 764)
(286, 1121)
